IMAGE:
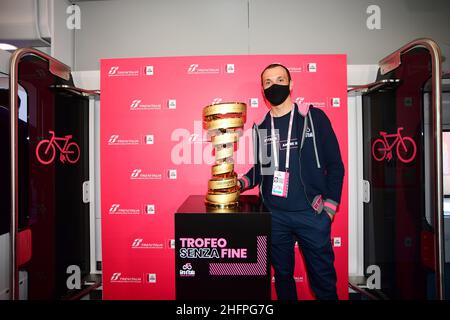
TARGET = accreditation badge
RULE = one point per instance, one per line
(280, 183)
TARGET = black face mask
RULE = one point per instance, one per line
(276, 94)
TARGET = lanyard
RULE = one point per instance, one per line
(288, 148)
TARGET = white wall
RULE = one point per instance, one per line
(63, 39)
(145, 28)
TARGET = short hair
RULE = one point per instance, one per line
(274, 65)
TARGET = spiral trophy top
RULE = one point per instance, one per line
(224, 122)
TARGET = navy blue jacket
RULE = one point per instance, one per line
(321, 167)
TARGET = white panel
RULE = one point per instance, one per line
(45, 9)
(4, 294)
(98, 213)
(353, 201)
(4, 266)
(361, 74)
(356, 75)
(87, 79)
(4, 61)
(25, 23)
(98, 239)
(91, 80)
(97, 187)
(447, 239)
(23, 285)
(17, 19)
(62, 37)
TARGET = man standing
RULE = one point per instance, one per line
(299, 172)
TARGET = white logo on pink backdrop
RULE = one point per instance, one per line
(312, 67)
(116, 140)
(119, 278)
(195, 68)
(140, 244)
(137, 174)
(137, 104)
(116, 72)
(116, 209)
(113, 70)
(230, 68)
(115, 276)
(295, 69)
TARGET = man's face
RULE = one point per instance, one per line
(275, 75)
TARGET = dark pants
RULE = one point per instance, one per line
(312, 231)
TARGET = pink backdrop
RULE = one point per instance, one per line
(154, 154)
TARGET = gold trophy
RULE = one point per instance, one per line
(224, 122)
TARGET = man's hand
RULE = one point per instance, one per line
(240, 185)
(330, 211)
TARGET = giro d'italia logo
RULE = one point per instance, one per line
(187, 270)
(149, 139)
(230, 68)
(150, 209)
(335, 102)
(149, 70)
(150, 277)
(172, 104)
(312, 67)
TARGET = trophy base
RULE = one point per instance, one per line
(222, 205)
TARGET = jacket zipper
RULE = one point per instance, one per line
(260, 166)
(299, 162)
(255, 150)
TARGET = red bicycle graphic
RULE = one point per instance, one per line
(46, 151)
(406, 147)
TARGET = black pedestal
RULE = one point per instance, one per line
(222, 254)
